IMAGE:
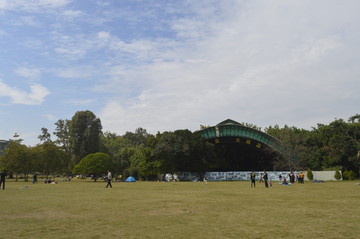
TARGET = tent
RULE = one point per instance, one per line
(130, 179)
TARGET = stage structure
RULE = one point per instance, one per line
(242, 147)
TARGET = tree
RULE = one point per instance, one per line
(337, 144)
(137, 138)
(85, 131)
(94, 164)
(45, 135)
(170, 150)
(63, 135)
(16, 159)
(295, 152)
(48, 158)
(182, 150)
(116, 146)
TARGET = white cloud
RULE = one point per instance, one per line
(72, 52)
(185, 63)
(32, 5)
(72, 13)
(75, 72)
(51, 117)
(25, 21)
(32, 73)
(264, 62)
(35, 97)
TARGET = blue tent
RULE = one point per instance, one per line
(130, 179)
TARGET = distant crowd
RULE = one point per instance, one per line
(293, 176)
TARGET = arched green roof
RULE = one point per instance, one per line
(231, 128)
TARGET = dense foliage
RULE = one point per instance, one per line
(334, 146)
(94, 165)
(84, 135)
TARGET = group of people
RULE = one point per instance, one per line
(264, 178)
(49, 181)
(299, 177)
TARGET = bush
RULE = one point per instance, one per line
(337, 175)
(346, 175)
(94, 164)
(352, 175)
(310, 175)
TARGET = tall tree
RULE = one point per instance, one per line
(16, 159)
(183, 150)
(62, 134)
(137, 138)
(84, 130)
(295, 152)
(338, 143)
(45, 135)
(48, 158)
(116, 146)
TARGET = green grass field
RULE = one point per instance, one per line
(180, 210)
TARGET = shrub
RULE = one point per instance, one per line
(352, 175)
(94, 164)
(310, 175)
(346, 175)
(337, 175)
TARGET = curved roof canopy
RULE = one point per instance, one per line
(231, 128)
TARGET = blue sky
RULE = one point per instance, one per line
(166, 65)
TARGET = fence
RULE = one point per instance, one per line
(245, 175)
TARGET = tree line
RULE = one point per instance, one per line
(81, 147)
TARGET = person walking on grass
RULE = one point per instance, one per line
(265, 177)
(109, 178)
(3, 175)
(34, 178)
(252, 177)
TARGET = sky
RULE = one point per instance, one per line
(166, 65)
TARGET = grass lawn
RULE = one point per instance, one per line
(180, 210)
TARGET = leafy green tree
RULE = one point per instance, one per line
(295, 153)
(95, 164)
(45, 135)
(182, 150)
(115, 145)
(138, 163)
(149, 167)
(16, 159)
(138, 138)
(124, 160)
(337, 144)
(3, 144)
(203, 156)
(48, 158)
(131, 153)
(170, 150)
(84, 131)
(351, 175)
(62, 134)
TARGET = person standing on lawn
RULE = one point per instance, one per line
(266, 179)
(3, 175)
(252, 177)
(109, 178)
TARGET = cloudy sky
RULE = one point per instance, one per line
(166, 65)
